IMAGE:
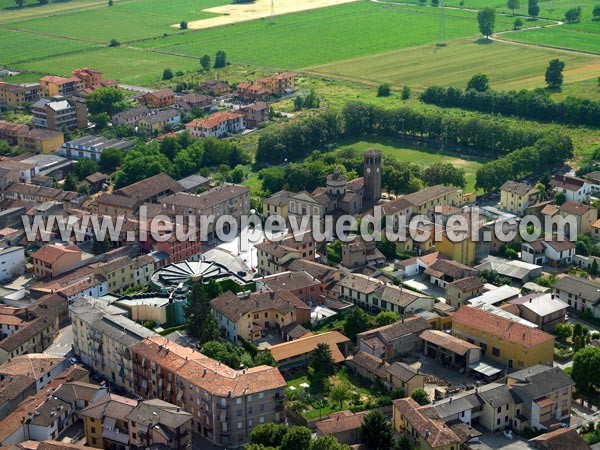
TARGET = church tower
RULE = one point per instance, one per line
(372, 175)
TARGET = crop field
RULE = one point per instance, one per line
(417, 155)
(580, 36)
(509, 66)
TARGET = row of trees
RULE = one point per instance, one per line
(294, 140)
(535, 104)
(548, 152)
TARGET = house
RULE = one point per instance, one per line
(459, 246)
(10, 131)
(215, 88)
(14, 389)
(252, 91)
(80, 394)
(495, 295)
(39, 367)
(391, 341)
(52, 260)
(374, 295)
(553, 252)
(443, 272)
(125, 271)
(575, 189)
(91, 78)
(516, 197)
(579, 293)
(545, 310)
(12, 263)
(255, 114)
(97, 181)
(277, 205)
(195, 102)
(304, 286)
(459, 291)
(111, 205)
(18, 95)
(512, 344)
(248, 316)
(130, 116)
(20, 172)
(519, 271)
(428, 198)
(273, 257)
(546, 394)
(58, 113)
(159, 99)
(359, 253)
(158, 121)
(207, 389)
(39, 140)
(150, 189)
(53, 85)
(585, 216)
(217, 125)
(402, 376)
(279, 83)
(155, 423)
(343, 425)
(297, 353)
(79, 283)
(328, 276)
(561, 439)
(105, 421)
(449, 350)
(424, 432)
(91, 147)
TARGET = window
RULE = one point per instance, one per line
(239, 425)
(495, 351)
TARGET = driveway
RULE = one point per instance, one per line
(420, 283)
(63, 342)
(497, 441)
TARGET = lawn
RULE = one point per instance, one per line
(582, 36)
(509, 66)
(320, 36)
(417, 155)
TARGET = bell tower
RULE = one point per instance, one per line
(372, 175)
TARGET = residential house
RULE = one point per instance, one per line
(545, 310)
(579, 293)
(105, 422)
(79, 283)
(272, 257)
(37, 194)
(443, 272)
(428, 198)
(423, 431)
(21, 172)
(14, 389)
(359, 253)
(159, 99)
(459, 291)
(596, 230)
(575, 189)
(402, 376)
(249, 316)
(255, 114)
(279, 83)
(561, 439)
(449, 350)
(91, 78)
(516, 197)
(553, 252)
(18, 95)
(546, 394)
(328, 276)
(217, 125)
(58, 113)
(195, 102)
(150, 189)
(252, 91)
(111, 205)
(11, 131)
(91, 147)
(40, 140)
(215, 88)
(391, 341)
(502, 340)
(12, 263)
(585, 216)
(304, 286)
(130, 117)
(38, 367)
(54, 86)
(297, 353)
(97, 181)
(158, 121)
(343, 425)
(80, 394)
(52, 260)
(125, 272)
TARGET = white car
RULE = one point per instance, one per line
(508, 434)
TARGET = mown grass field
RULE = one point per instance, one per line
(509, 66)
(580, 36)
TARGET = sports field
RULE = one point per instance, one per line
(509, 66)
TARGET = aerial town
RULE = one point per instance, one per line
(240, 232)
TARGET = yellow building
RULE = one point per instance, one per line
(277, 205)
(502, 340)
(517, 197)
(424, 432)
(584, 215)
(105, 422)
(53, 86)
(40, 141)
(427, 199)
(462, 251)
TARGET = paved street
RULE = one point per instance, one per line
(62, 343)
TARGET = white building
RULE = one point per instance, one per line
(12, 263)
(218, 125)
(575, 189)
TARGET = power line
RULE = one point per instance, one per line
(442, 34)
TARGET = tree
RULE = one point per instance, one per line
(205, 62)
(20, 3)
(514, 5)
(338, 394)
(479, 82)
(421, 396)
(405, 93)
(596, 12)
(594, 267)
(563, 330)
(386, 318)
(376, 432)
(99, 247)
(183, 25)
(100, 120)
(533, 9)
(198, 312)
(554, 74)
(84, 189)
(167, 74)
(110, 159)
(70, 183)
(268, 434)
(220, 59)
(560, 198)
(403, 444)
(114, 43)
(486, 18)
(444, 173)
(327, 443)
(573, 15)
(518, 24)
(383, 90)
(84, 167)
(110, 2)
(585, 370)
(108, 100)
(296, 438)
(321, 366)
(356, 322)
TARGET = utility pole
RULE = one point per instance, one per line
(442, 36)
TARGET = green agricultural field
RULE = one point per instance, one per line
(31, 46)
(321, 36)
(9, 12)
(581, 36)
(417, 155)
(509, 66)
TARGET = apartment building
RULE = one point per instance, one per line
(52, 260)
(516, 197)
(91, 78)
(12, 263)
(53, 85)
(40, 140)
(218, 125)
(58, 113)
(427, 199)
(280, 83)
(10, 131)
(18, 95)
(579, 293)
(159, 99)
(125, 272)
(91, 147)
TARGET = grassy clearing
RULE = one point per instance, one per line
(509, 66)
(9, 12)
(31, 46)
(417, 155)
(583, 36)
(320, 36)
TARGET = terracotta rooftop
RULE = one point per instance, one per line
(340, 422)
(51, 253)
(447, 341)
(33, 365)
(215, 120)
(307, 344)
